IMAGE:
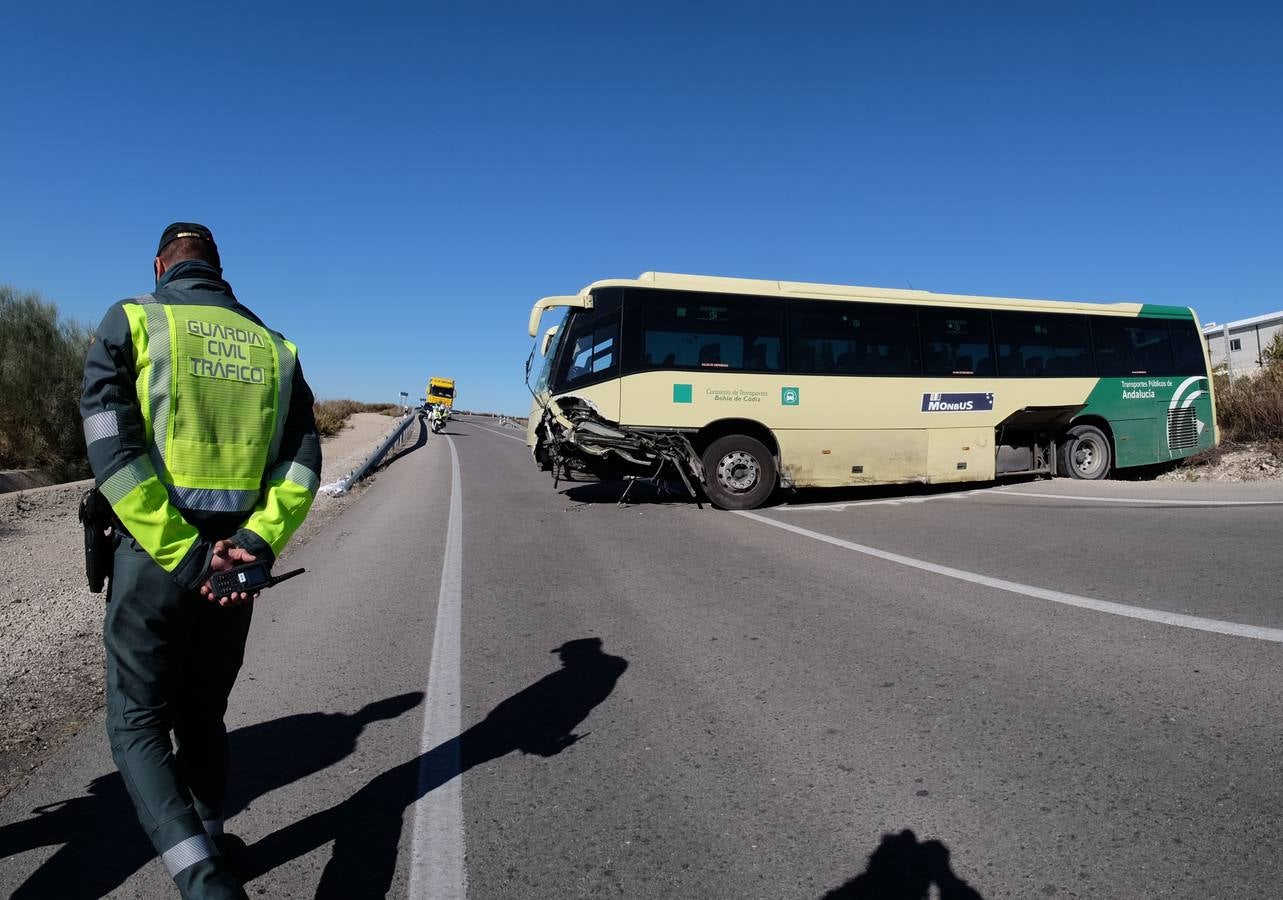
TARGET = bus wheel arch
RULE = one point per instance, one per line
(741, 461)
(1086, 449)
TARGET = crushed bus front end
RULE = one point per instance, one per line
(576, 438)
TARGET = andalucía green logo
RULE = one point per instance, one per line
(790, 396)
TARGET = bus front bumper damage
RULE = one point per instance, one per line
(577, 438)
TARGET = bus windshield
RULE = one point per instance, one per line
(545, 369)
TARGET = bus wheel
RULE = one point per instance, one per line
(1085, 453)
(739, 472)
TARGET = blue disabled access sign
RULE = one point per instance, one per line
(956, 402)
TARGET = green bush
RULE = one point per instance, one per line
(42, 360)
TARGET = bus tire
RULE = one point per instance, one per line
(1085, 453)
(739, 472)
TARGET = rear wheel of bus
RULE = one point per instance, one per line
(1085, 453)
(739, 472)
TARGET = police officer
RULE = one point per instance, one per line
(200, 433)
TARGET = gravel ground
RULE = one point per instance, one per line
(51, 669)
(1231, 462)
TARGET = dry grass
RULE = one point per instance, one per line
(1250, 409)
(331, 415)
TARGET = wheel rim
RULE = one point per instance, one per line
(1088, 456)
(738, 472)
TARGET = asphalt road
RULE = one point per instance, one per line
(1061, 689)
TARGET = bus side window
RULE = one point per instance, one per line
(592, 350)
(1187, 347)
(955, 341)
(833, 337)
(1131, 346)
(1042, 344)
(687, 330)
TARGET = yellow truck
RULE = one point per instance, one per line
(441, 392)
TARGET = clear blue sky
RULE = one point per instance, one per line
(393, 185)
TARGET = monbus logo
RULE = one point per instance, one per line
(956, 402)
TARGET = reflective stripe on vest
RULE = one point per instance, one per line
(287, 354)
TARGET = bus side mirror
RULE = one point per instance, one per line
(547, 340)
(576, 301)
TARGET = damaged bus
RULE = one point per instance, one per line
(740, 387)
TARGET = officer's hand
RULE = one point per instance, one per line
(227, 556)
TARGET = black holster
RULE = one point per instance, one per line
(99, 523)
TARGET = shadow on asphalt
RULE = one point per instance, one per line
(366, 827)
(641, 493)
(811, 496)
(1145, 473)
(102, 847)
(102, 844)
(904, 868)
(590, 492)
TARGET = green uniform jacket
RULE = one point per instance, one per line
(199, 424)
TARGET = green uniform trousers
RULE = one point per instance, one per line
(172, 658)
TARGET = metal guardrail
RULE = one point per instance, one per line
(506, 421)
(343, 485)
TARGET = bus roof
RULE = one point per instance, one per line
(718, 284)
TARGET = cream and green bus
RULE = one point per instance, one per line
(743, 386)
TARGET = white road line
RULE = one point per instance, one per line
(1154, 502)
(436, 852)
(1013, 492)
(1179, 620)
(492, 431)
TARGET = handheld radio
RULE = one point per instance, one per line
(248, 578)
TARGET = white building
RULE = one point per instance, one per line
(1247, 339)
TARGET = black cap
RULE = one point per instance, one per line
(185, 229)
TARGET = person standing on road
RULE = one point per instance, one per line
(201, 436)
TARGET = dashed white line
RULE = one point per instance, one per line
(1162, 617)
(436, 853)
